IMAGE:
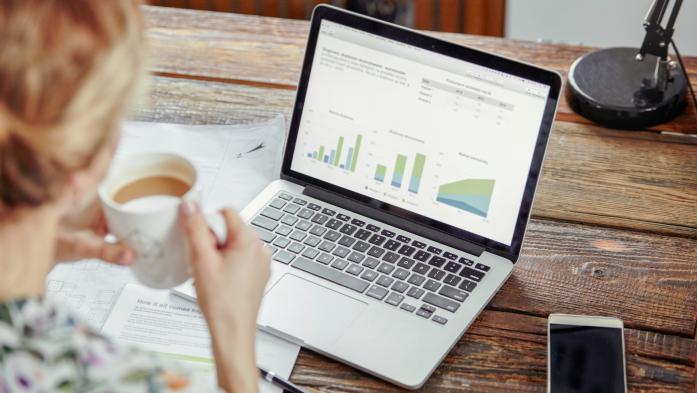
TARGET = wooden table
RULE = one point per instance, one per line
(614, 227)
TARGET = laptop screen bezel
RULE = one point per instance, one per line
(397, 33)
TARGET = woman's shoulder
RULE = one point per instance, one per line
(46, 347)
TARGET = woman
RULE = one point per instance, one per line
(67, 69)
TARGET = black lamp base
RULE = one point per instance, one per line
(612, 88)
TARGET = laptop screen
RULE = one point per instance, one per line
(440, 137)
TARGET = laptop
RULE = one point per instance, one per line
(406, 186)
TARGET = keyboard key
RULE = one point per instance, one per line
(330, 274)
(327, 246)
(343, 217)
(371, 263)
(437, 261)
(318, 230)
(439, 319)
(348, 229)
(303, 225)
(423, 313)
(356, 257)
(452, 267)
(339, 264)
(439, 301)
(406, 250)
(296, 248)
(400, 287)
(453, 293)
(312, 241)
(328, 212)
(361, 246)
(401, 274)
(376, 252)
(434, 250)
(407, 307)
(285, 196)
(436, 274)
(314, 207)
(281, 242)
(310, 253)
(265, 223)
(385, 281)
(334, 224)
(289, 220)
(341, 252)
(394, 299)
(406, 263)
(428, 308)
(416, 279)
(319, 218)
(298, 236)
(386, 268)
(357, 222)
(422, 256)
(332, 236)
(346, 241)
(421, 268)
(306, 214)
(272, 213)
(415, 292)
(264, 235)
(450, 256)
(354, 269)
(283, 257)
(392, 245)
(362, 234)
(403, 239)
(291, 208)
(466, 262)
(418, 244)
(278, 203)
(387, 233)
(377, 292)
(300, 201)
(482, 267)
(373, 228)
(369, 275)
(272, 248)
(284, 230)
(452, 279)
(432, 285)
(377, 239)
(474, 275)
(325, 258)
(391, 257)
(468, 285)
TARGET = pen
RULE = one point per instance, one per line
(271, 377)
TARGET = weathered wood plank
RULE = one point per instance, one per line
(269, 50)
(629, 180)
(507, 352)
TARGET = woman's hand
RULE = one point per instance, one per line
(81, 236)
(230, 282)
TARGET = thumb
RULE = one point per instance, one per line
(85, 244)
(203, 250)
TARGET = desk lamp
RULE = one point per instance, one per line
(627, 88)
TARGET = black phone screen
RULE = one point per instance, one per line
(586, 359)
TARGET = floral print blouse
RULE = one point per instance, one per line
(45, 348)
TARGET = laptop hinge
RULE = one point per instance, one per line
(401, 223)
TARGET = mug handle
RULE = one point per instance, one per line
(217, 225)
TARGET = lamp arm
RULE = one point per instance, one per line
(657, 37)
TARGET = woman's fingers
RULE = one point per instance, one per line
(237, 230)
(203, 249)
(85, 244)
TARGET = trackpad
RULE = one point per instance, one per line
(310, 312)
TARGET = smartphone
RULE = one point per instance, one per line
(585, 354)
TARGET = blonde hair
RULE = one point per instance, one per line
(67, 71)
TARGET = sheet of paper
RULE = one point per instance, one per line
(235, 161)
(161, 322)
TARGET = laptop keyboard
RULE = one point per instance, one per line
(377, 262)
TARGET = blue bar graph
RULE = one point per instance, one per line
(326, 158)
(348, 158)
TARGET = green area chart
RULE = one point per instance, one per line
(470, 195)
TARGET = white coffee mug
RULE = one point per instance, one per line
(151, 225)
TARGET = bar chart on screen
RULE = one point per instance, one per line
(335, 155)
(418, 162)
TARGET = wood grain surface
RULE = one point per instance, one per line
(614, 229)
